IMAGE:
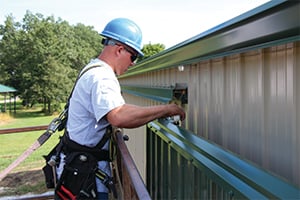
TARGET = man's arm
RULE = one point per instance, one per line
(132, 116)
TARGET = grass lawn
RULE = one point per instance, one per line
(14, 144)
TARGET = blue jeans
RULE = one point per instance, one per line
(101, 196)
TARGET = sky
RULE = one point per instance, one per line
(167, 22)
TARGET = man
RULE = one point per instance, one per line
(97, 103)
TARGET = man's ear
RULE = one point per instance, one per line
(119, 51)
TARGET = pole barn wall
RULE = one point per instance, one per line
(245, 100)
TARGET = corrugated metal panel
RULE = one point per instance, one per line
(246, 99)
(246, 102)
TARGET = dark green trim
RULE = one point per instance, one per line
(223, 167)
(273, 21)
(164, 95)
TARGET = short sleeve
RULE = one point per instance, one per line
(105, 96)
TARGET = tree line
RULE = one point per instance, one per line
(41, 57)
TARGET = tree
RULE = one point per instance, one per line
(150, 50)
(41, 57)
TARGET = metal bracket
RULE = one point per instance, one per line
(180, 93)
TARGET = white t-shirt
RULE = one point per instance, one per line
(96, 93)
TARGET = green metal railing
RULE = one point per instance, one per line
(182, 165)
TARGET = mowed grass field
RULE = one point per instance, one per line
(12, 145)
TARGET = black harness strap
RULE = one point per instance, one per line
(78, 77)
(97, 151)
(71, 146)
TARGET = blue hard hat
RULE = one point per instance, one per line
(125, 31)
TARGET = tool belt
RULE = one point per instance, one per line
(70, 146)
(81, 169)
(77, 180)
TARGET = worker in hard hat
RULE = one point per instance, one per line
(96, 104)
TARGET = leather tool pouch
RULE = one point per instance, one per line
(78, 177)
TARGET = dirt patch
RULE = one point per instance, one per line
(21, 178)
(19, 183)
